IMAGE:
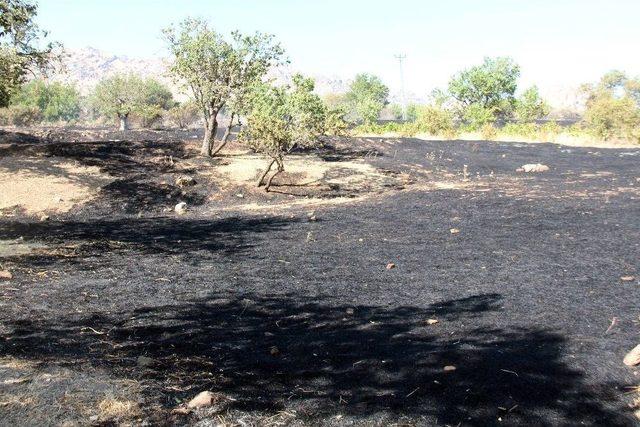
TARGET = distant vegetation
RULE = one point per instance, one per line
(226, 76)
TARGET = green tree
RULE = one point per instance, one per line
(282, 118)
(489, 87)
(56, 101)
(530, 106)
(183, 114)
(612, 109)
(20, 51)
(217, 71)
(367, 97)
(124, 94)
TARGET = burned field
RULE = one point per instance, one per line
(511, 299)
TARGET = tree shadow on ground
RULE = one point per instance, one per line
(322, 358)
(140, 236)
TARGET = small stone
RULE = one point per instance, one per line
(350, 311)
(44, 218)
(533, 168)
(633, 357)
(627, 278)
(391, 266)
(146, 362)
(454, 231)
(5, 275)
(432, 321)
(449, 368)
(240, 196)
(202, 400)
(310, 214)
(313, 218)
(181, 208)
(274, 351)
(185, 181)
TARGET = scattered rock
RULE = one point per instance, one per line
(44, 218)
(454, 231)
(181, 208)
(145, 362)
(310, 237)
(240, 196)
(533, 168)
(350, 311)
(633, 357)
(391, 266)
(449, 368)
(185, 181)
(432, 321)
(202, 400)
(628, 278)
(5, 275)
(274, 351)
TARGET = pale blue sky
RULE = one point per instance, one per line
(557, 43)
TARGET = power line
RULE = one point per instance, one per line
(400, 58)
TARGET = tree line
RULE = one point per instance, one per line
(227, 76)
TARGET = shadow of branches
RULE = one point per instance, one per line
(278, 352)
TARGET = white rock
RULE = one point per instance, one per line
(534, 168)
(202, 400)
(633, 357)
(181, 208)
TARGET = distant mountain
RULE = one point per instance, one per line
(86, 67)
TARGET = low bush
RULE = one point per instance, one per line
(20, 115)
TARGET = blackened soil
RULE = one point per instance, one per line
(287, 315)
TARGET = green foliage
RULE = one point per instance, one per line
(488, 88)
(56, 101)
(434, 121)
(217, 71)
(612, 107)
(476, 116)
(530, 106)
(183, 114)
(124, 94)
(20, 51)
(281, 118)
(411, 112)
(20, 115)
(488, 132)
(367, 97)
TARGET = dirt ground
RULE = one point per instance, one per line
(119, 310)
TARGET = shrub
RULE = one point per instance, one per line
(5, 117)
(183, 115)
(488, 132)
(608, 117)
(21, 115)
(56, 101)
(434, 121)
(475, 117)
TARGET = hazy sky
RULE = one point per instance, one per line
(556, 42)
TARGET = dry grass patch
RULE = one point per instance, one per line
(37, 185)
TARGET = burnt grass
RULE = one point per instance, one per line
(287, 315)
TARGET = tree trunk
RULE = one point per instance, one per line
(225, 137)
(210, 130)
(124, 122)
(264, 175)
(280, 169)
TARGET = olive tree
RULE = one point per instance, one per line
(124, 94)
(282, 118)
(216, 70)
(367, 96)
(21, 52)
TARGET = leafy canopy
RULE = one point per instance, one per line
(282, 117)
(217, 70)
(123, 94)
(56, 101)
(20, 51)
(367, 97)
(491, 85)
(530, 106)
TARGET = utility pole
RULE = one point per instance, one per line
(400, 58)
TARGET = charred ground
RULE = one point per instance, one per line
(299, 322)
